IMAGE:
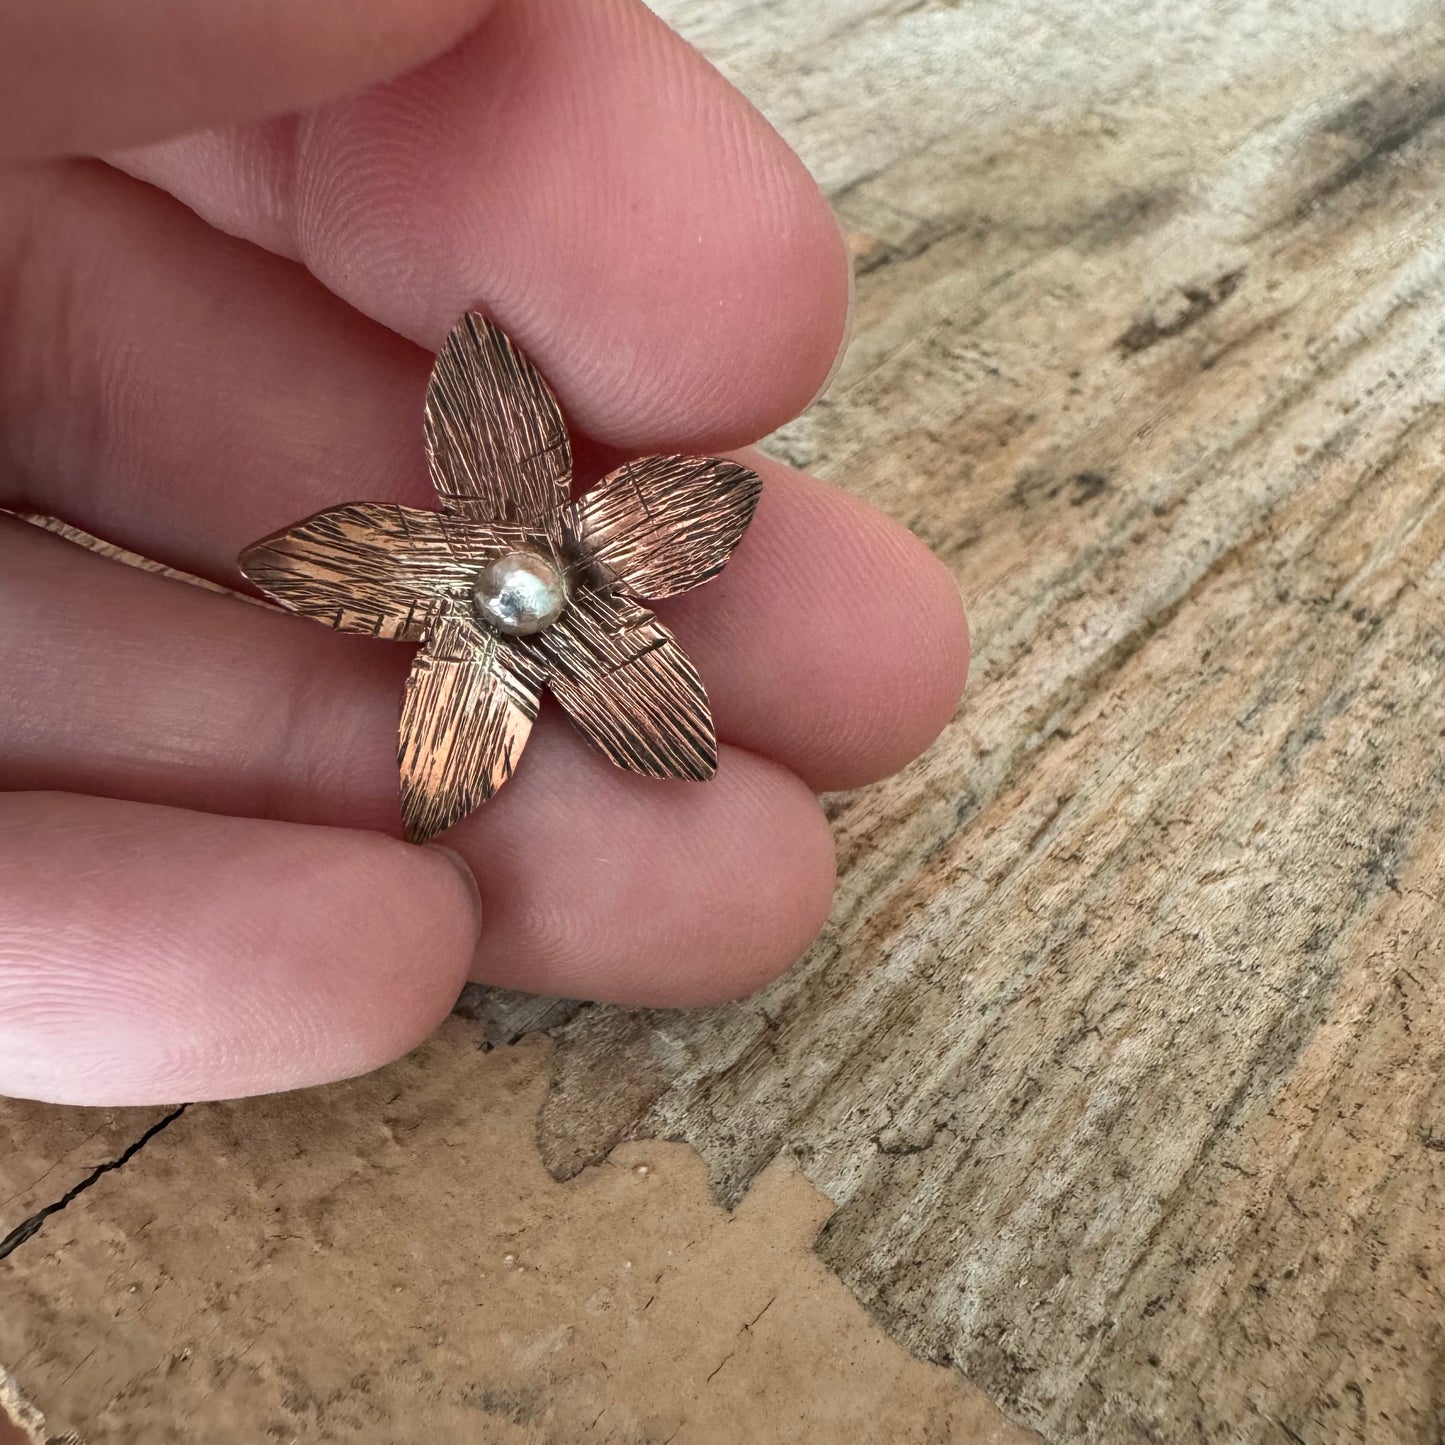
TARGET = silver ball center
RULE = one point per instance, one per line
(519, 594)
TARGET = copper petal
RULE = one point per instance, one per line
(469, 707)
(381, 570)
(628, 687)
(498, 447)
(664, 524)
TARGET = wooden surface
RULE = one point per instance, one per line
(1122, 1058)
(386, 1262)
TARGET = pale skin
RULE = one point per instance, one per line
(225, 326)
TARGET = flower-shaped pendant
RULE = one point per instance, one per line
(514, 587)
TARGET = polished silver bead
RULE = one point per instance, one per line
(520, 593)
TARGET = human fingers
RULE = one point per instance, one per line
(595, 883)
(154, 955)
(580, 172)
(80, 75)
(183, 393)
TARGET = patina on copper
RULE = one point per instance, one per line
(479, 584)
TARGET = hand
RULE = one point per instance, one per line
(206, 338)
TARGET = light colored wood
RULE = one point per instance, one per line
(386, 1262)
(1122, 1058)
(1123, 1054)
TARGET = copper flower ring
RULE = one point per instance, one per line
(513, 587)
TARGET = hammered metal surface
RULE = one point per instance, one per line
(663, 525)
(381, 570)
(495, 437)
(628, 687)
(470, 703)
(502, 465)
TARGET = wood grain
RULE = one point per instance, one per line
(1123, 1053)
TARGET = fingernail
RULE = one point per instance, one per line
(459, 863)
(847, 336)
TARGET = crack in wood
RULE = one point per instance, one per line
(28, 1228)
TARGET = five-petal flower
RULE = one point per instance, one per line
(514, 587)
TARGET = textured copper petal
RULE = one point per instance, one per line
(498, 447)
(469, 707)
(364, 567)
(629, 689)
(664, 524)
(502, 465)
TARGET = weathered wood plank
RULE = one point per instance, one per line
(49, 1155)
(1122, 1054)
(386, 1261)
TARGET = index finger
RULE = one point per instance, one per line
(78, 75)
(583, 175)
